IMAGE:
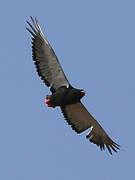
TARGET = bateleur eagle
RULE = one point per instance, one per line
(63, 94)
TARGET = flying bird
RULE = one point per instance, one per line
(63, 94)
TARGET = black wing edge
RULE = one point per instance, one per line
(110, 145)
(35, 32)
(68, 120)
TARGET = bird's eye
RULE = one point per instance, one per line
(82, 91)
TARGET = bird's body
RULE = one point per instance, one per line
(63, 94)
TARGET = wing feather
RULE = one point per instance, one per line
(80, 119)
(46, 62)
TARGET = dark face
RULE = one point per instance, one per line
(75, 95)
(82, 92)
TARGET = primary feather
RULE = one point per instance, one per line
(46, 62)
(80, 120)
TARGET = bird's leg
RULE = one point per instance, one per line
(48, 101)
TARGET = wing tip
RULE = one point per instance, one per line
(111, 146)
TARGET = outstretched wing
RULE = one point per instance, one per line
(80, 119)
(46, 62)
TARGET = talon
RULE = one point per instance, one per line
(50, 105)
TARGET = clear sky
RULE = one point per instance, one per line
(95, 43)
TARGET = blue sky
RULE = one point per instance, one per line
(95, 43)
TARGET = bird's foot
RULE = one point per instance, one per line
(48, 101)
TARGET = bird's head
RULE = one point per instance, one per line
(82, 92)
(75, 95)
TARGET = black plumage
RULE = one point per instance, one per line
(63, 94)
